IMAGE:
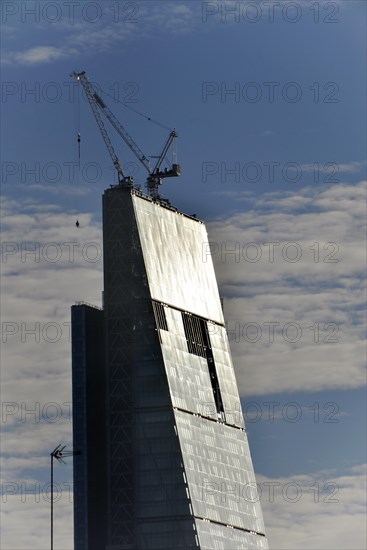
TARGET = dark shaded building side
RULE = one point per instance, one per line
(89, 427)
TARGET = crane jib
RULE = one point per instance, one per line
(99, 101)
(156, 175)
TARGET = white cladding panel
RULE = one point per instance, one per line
(188, 374)
(219, 472)
(180, 271)
(211, 536)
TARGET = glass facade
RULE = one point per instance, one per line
(178, 468)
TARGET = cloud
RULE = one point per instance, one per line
(47, 265)
(291, 271)
(324, 510)
(36, 339)
(345, 168)
(32, 512)
(79, 32)
(39, 288)
(86, 36)
(64, 190)
(293, 325)
(71, 46)
(38, 54)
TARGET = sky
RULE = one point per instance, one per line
(268, 100)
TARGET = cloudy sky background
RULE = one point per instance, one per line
(277, 171)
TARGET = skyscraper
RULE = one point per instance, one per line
(176, 471)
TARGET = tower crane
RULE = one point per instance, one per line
(155, 175)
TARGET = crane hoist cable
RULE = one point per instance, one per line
(78, 138)
(78, 128)
(138, 112)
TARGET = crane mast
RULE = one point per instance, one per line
(156, 175)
